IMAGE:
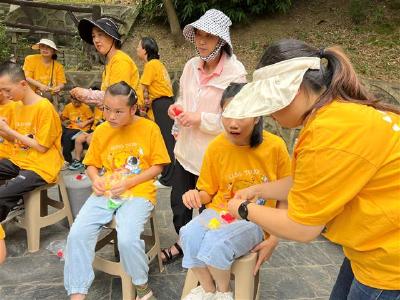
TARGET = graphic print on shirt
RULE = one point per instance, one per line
(241, 180)
(126, 158)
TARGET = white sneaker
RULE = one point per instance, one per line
(223, 296)
(199, 294)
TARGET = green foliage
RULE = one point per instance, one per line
(240, 11)
(5, 49)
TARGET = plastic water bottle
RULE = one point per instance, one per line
(175, 129)
(58, 248)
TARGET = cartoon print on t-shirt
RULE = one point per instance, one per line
(126, 159)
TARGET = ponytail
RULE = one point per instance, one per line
(342, 83)
(336, 80)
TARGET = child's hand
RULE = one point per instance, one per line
(190, 119)
(119, 188)
(249, 193)
(191, 199)
(264, 249)
(98, 186)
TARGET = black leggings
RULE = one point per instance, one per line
(181, 183)
(160, 109)
(67, 144)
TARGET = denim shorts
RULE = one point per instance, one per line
(220, 247)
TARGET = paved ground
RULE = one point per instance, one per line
(295, 271)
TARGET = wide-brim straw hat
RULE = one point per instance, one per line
(46, 42)
(106, 25)
(214, 22)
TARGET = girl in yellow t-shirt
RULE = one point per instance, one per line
(43, 71)
(157, 97)
(130, 148)
(243, 156)
(346, 164)
(104, 36)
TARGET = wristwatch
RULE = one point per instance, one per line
(243, 211)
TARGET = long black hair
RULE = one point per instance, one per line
(336, 80)
(150, 46)
(230, 92)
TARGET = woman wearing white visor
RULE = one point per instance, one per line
(346, 164)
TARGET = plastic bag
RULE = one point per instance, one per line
(58, 248)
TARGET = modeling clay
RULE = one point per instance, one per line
(214, 224)
(227, 217)
(177, 111)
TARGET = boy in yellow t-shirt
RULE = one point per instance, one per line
(131, 152)
(242, 156)
(86, 137)
(36, 133)
(77, 118)
(3, 250)
(6, 113)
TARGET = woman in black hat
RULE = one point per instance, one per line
(119, 66)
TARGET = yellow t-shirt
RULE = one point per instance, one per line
(228, 168)
(35, 68)
(156, 77)
(120, 68)
(130, 149)
(7, 112)
(347, 176)
(2, 234)
(77, 115)
(98, 118)
(40, 121)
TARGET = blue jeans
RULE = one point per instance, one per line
(217, 248)
(347, 287)
(79, 254)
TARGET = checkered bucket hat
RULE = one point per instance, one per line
(214, 22)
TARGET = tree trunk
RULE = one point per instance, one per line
(173, 22)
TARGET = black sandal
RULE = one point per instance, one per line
(169, 257)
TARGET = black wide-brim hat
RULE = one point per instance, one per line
(106, 25)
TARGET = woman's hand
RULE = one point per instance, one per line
(264, 249)
(99, 186)
(78, 93)
(44, 88)
(174, 110)
(190, 119)
(191, 199)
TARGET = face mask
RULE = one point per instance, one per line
(214, 53)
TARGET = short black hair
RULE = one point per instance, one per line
(231, 91)
(150, 46)
(123, 89)
(13, 70)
